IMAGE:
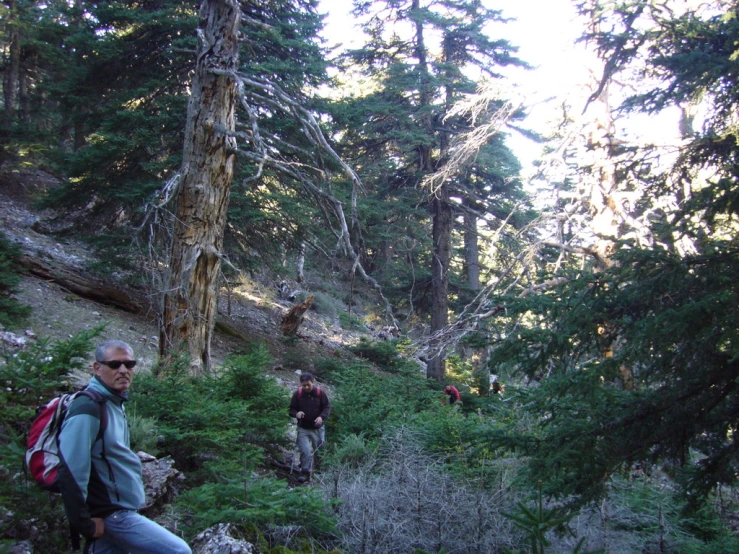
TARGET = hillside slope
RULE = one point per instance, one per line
(251, 315)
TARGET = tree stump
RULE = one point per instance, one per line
(294, 317)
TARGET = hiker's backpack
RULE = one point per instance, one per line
(42, 454)
(318, 392)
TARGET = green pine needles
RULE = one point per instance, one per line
(12, 312)
(641, 366)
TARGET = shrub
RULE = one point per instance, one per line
(461, 371)
(326, 305)
(143, 434)
(196, 417)
(704, 523)
(406, 501)
(217, 429)
(34, 375)
(353, 451)
(329, 368)
(30, 378)
(388, 355)
(367, 400)
(323, 303)
(246, 500)
(12, 312)
(350, 321)
(266, 401)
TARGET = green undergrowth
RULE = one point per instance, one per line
(237, 407)
(12, 312)
(480, 445)
(30, 378)
(219, 429)
(223, 429)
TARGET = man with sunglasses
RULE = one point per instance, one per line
(100, 477)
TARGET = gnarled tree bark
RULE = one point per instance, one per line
(189, 301)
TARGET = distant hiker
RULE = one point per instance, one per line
(453, 393)
(100, 478)
(311, 407)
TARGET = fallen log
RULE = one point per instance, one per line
(226, 329)
(84, 286)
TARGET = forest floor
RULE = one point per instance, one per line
(253, 313)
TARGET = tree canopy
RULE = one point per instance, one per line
(611, 309)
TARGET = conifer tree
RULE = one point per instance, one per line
(415, 60)
(663, 308)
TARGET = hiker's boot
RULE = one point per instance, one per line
(304, 476)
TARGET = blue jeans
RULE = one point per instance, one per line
(309, 440)
(128, 532)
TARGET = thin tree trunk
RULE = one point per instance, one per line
(443, 221)
(300, 276)
(23, 99)
(442, 236)
(189, 301)
(13, 67)
(471, 251)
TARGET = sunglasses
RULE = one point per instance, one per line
(115, 364)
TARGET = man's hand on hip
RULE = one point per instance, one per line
(99, 527)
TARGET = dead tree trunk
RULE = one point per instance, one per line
(300, 276)
(294, 317)
(189, 299)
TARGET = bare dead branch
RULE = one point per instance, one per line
(465, 146)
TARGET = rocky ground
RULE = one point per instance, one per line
(252, 311)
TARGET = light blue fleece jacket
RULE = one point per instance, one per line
(97, 477)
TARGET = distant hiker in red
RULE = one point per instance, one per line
(311, 407)
(453, 393)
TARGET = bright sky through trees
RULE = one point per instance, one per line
(543, 30)
(546, 34)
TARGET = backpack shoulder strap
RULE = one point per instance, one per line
(100, 400)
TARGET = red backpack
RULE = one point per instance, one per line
(42, 454)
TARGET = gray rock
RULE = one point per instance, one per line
(218, 540)
(23, 547)
(14, 341)
(160, 479)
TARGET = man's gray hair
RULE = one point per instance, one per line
(102, 350)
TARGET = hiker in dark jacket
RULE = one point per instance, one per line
(100, 480)
(311, 407)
